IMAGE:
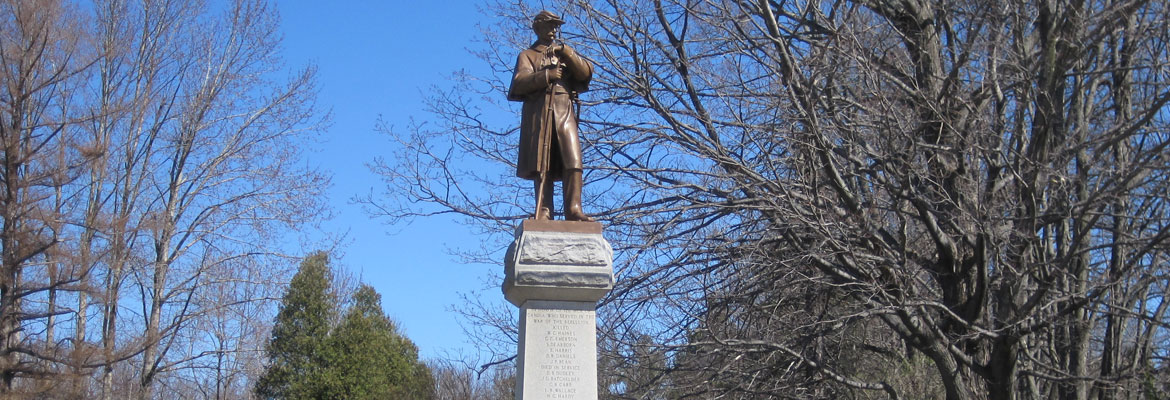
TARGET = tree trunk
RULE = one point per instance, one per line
(150, 355)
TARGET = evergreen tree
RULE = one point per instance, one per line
(297, 348)
(368, 359)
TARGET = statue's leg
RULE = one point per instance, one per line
(573, 185)
(544, 192)
(548, 198)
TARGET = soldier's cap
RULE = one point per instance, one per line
(546, 17)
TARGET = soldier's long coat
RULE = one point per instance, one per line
(530, 84)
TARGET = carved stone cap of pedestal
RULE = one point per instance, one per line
(558, 261)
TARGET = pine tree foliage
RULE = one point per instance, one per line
(297, 348)
(362, 357)
(368, 359)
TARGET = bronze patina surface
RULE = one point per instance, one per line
(536, 225)
(548, 77)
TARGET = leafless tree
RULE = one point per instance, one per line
(459, 381)
(229, 175)
(42, 61)
(832, 199)
(152, 151)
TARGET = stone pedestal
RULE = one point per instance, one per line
(555, 271)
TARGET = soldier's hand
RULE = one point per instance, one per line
(564, 50)
(554, 74)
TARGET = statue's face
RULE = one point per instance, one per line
(546, 32)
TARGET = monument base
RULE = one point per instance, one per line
(558, 260)
(555, 271)
(557, 358)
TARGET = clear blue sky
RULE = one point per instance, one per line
(375, 57)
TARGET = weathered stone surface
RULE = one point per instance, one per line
(559, 248)
(565, 266)
(599, 279)
(557, 351)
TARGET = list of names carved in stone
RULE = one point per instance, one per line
(569, 352)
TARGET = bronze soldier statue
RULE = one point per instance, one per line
(547, 78)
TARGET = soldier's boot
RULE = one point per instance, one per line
(573, 184)
(544, 209)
